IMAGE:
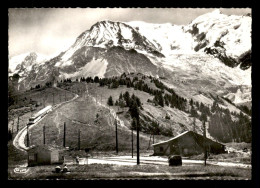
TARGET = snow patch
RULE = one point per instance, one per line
(203, 99)
(93, 68)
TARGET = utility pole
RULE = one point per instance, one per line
(205, 149)
(132, 143)
(64, 135)
(44, 134)
(194, 130)
(17, 129)
(153, 138)
(149, 142)
(137, 143)
(116, 138)
(13, 127)
(60, 98)
(79, 139)
(31, 111)
(53, 98)
(65, 95)
(28, 143)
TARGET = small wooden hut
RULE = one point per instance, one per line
(186, 144)
(44, 155)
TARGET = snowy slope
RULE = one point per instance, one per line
(106, 34)
(214, 26)
(14, 61)
(232, 30)
(166, 37)
(242, 95)
(93, 68)
(26, 61)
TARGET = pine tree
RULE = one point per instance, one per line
(191, 102)
(134, 111)
(110, 101)
(96, 79)
(127, 98)
(193, 112)
(115, 84)
(133, 124)
(120, 96)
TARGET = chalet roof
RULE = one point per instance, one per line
(180, 135)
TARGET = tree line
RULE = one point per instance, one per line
(225, 129)
(221, 124)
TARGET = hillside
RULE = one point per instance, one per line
(27, 103)
(162, 111)
(95, 122)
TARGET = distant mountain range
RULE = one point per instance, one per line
(211, 55)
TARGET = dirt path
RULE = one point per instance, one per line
(156, 160)
(57, 114)
(114, 116)
(19, 139)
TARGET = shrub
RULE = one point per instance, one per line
(175, 160)
(167, 117)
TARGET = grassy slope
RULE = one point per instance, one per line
(179, 122)
(107, 171)
(95, 132)
(15, 156)
(25, 110)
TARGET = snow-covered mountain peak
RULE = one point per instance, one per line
(168, 38)
(26, 61)
(106, 34)
(198, 52)
(214, 15)
(216, 12)
(213, 28)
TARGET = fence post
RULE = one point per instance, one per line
(116, 138)
(17, 129)
(44, 134)
(132, 144)
(79, 139)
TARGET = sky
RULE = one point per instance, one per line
(49, 31)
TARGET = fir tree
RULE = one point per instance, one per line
(110, 101)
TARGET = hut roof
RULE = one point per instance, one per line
(180, 135)
(44, 147)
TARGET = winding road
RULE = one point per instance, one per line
(18, 141)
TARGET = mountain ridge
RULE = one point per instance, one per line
(111, 48)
